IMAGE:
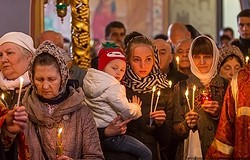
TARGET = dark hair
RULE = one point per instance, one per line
(230, 58)
(130, 36)
(225, 37)
(202, 45)
(113, 24)
(244, 13)
(193, 31)
(228, 29)
(161, 36)
(45, 59)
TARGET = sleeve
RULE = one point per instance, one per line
(222, 146)
(119, 102)
(181, 129)
(91, 143)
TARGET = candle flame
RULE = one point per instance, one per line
(21, 80)
(247, 59)
(154, 88)
(194, 88)
(60, 130)
(170, 83)
(177, 59)
(186, 93)
(2, 96)
(158, 93)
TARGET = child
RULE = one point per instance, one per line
(107, 99)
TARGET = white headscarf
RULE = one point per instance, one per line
(20, 39)
(205, 78)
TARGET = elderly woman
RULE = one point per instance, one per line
(230, 61)
(53, 104)
(197, 113)
(16, 51)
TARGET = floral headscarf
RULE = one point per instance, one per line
(50, 48)
(155, 77)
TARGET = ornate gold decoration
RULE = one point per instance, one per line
(80, 32)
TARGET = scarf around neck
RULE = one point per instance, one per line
(205, 78)
(6, 84)
(144, 85)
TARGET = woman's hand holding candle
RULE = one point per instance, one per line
(192, 119)
(158, 116)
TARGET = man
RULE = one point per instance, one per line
(181, 51)
(115, 31)
(75, 72)
(165, 51)
(177, 32)
(166, 65)
(243, 21)
(232, 139)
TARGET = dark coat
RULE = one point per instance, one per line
(207, 125)
(140, 128)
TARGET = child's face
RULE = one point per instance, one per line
(116, 68)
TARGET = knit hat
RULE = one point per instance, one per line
(20, 39)
(227, 51)
(108, 52)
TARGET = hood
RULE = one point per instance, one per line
(96, 82)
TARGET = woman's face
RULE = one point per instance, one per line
(142, 61)
(203, 62)
(228, 69)
(47, 83)
(13, 61)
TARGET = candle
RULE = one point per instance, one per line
(177, 62)
(20, 91)
(152, 99)
(170, 83)
(158, 96)
(59, 142)
(2, 96)
(186, 94)
(194, 88)
(247, 59)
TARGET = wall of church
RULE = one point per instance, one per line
(14, 16)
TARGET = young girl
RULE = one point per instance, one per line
(107, 99)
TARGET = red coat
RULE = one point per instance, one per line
(7, 141)
(232, 138)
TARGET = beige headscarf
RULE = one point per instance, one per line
(205, 78)
(20, 39)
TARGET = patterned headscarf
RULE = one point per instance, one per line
(205, 78)
(50, 48)
(227, 51)
(155, 77)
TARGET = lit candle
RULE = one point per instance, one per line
(157, 100)
(177, 62)
(59, 142)
(186, 94)
(247, 59)
(2, 96)
(194, 88)
(152, 99)
(170, 84)
(20, 91)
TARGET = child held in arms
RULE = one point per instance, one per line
(106, 96)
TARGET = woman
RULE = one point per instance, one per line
(16, 51)
(230, 61)
(201, 115)
(141, 75)
(52, 104)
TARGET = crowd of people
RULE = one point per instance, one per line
(177, 96)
